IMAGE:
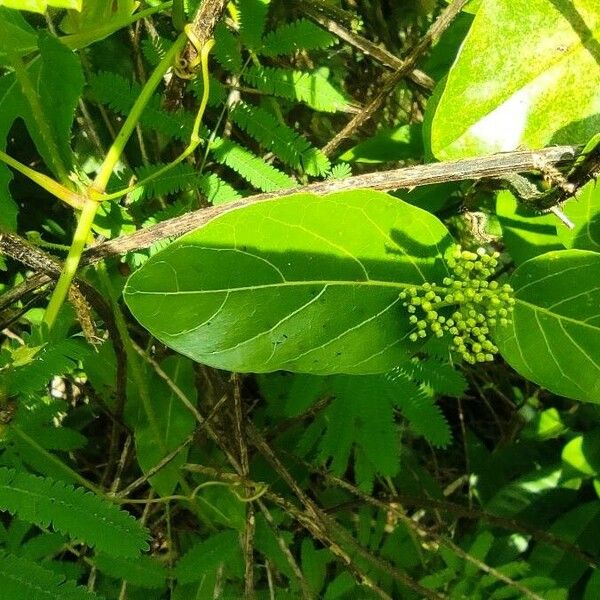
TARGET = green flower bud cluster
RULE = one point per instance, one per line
(465, 307)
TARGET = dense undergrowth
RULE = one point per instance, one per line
(323, 392)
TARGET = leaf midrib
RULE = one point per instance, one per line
(319, 282)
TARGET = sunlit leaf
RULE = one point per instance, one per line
(554, 338)
(301, 283)
(584, 211)
(525, 232)
(41, 6)
(517, 79)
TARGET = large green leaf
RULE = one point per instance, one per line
(45, 99)
(518, 79)
(554, 338)
(584, 211)
(90, 13)
(525, 232)
(301, 283)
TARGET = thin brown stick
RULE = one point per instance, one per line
(486, 167)
(169, 457)
(324, 528)
(305, 589)
(306, 520)
(381, 55)
(239, 421)
(391, 81)
(14, 294)
(423, 533)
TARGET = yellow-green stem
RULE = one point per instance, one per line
(115, 151)
(195, 138)
(50, 185)
(80, 238)
(86, 219)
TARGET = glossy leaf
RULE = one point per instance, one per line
(526, 233)
(578, 526)
(301, 283)
(554, 339)
(41, 6)
(88, 14)
(582, 453)
(584, 211)
(401, 143)
(527, 91)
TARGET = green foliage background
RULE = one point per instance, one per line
(251, 410)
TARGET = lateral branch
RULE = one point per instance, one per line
(494, 166)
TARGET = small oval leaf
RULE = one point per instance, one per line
(301, 283)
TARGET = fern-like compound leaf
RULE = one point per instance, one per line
(119, 94)
(288, 145)
(23, 579)
(313, 88)
(180, 177)
(73, 511)
(298, 35)
(340, 171)
(249, 166)
(420, 409)
(359, 424)
(441, 377)
(53, 359)
(154, 49)
(144, 571)
(227, 49)
(216, 190)
(206, 556)
(253, 18)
